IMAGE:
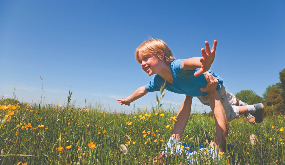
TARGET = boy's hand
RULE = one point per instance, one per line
(124, 101)
(207, 59)
(212, 83)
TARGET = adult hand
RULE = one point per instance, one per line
(212, 83)
(124, 101)
(207, 59)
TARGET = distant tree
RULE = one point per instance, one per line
(282, 83)
(249, 97)
(277, 85)
(274, 102)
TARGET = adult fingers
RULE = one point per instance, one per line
(207, 47)
(203, 89)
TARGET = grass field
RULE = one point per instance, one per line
(67, 135)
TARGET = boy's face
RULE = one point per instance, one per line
(150, 63)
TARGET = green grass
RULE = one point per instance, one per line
(144, 134)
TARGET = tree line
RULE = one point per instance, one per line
(273, 97)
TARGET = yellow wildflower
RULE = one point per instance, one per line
(134, 117)
(155, 140)
(29, 125)
(7, 117)
(60, 148)
(220, 154)
(156, 114)
(3, 107)
(281, 129)
(156, 130)
(148, 132)
(68, 147)
(40, 126)
(162, 115)
(143, 132)
(134, 142)
(167, 126)
(273, 126)
(12, 107)
(79, 148)
(144, 135)
(99, 133)
(91, 145)
(104, 131)
(128, 143)
(270, 139)
(11, 113)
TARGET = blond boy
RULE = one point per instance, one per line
(184, 77)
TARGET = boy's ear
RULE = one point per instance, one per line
(161, 55)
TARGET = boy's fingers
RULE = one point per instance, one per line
(204, 53)
(214, 45)
(199, 72)
(207, 47)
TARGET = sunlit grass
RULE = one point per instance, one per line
(67, 135)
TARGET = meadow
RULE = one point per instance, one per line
(58, 134)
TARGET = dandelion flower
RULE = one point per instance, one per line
(220, 154)
(162, 115)
(270, 139)
(29, 125)
(281, 129)
(273, 126)
(91, 145)
(99, 133)
(128, 143)
(144, 135)
(143, 132)
(155, 140)
(40, 126)
(11, 113)
(167, 126)
(3, 107)
(79, 149)
(60, 148)
(134, 142)
(12, 107)
(7, 117)
(68, 147)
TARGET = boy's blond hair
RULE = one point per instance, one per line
(154, 46)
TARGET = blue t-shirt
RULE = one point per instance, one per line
(184, 81)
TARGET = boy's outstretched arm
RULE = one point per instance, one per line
(136, 95)
(203, 63)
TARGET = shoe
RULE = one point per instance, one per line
(259, 113)
(250, 118)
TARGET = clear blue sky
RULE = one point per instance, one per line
(88, 46)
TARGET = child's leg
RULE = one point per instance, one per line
(182, 118)
(250, 111)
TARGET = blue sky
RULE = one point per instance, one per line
(88, 46)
